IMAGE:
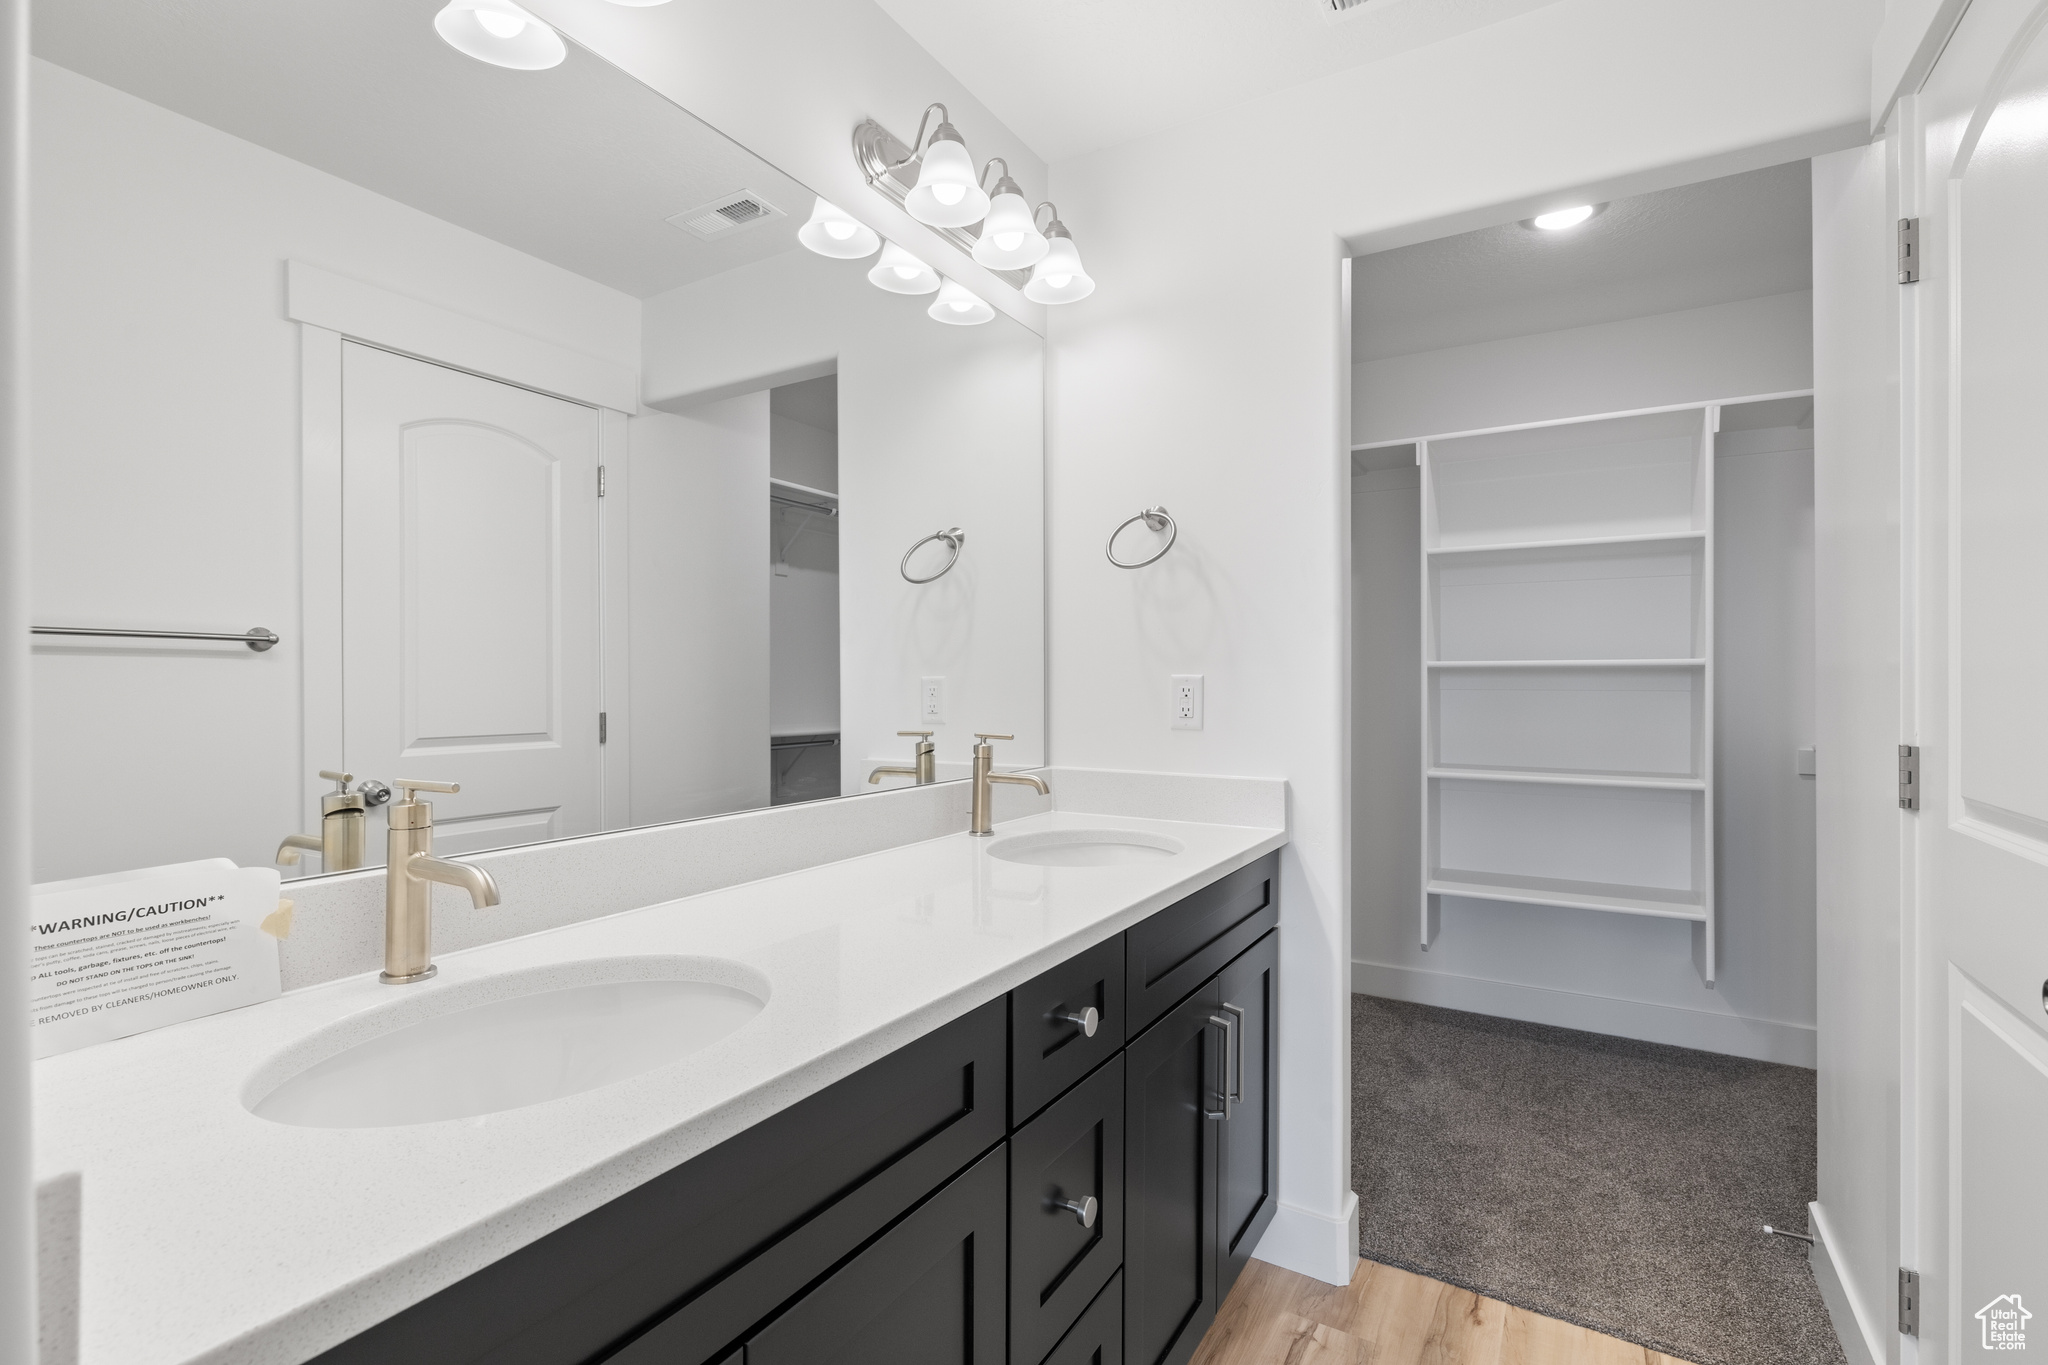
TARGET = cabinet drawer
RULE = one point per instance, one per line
(1071, 1153)
(930, 1290)
(1048, 1051)
(1098, 1338)
(1176, 950)
(708, 1249)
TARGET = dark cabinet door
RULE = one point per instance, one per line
(929, 1291)
(1172, 1117)
(1098, 1338)
(1248, 993)
(1177, 950)
(1066, 1210)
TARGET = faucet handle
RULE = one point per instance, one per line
(984, 738)
(407, 788)
(340, 780)
(917, 734)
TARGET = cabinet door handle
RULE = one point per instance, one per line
(1236, 1053)
(1228, 1023)
(1090, 1019)
(1084, 1209)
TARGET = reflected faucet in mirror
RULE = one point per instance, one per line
(925, 769)
(410, 871)
(344, 818)
(981, 812)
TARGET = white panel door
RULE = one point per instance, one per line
(1977, 329)
(470, 597)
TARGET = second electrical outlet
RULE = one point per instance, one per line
(1185, 711)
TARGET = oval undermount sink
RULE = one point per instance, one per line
(499, 1043)
(1084, 847)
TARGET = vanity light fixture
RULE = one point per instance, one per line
(899, 272)
(1010, 239)
(958, 306)
(833, 232)
(1058, 278)
(1557, 220)
(947, 193)
(501, 33)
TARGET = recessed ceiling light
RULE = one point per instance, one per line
(1557, 220)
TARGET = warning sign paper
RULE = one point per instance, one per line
(134, 951)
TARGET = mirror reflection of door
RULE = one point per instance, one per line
(470, 597)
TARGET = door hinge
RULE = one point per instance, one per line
(600, 481)
(1909, 1301)
(601, 726)
(1909, 250)
(1909, 777)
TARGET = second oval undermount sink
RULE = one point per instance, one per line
(499, 1043)
(1084, 847)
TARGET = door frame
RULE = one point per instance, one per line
(331, 309)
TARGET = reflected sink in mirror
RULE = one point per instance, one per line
(466, 1059)
(1084, 847)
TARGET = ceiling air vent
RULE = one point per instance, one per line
(723, 217)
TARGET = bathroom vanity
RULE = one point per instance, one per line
(911, 1148)
(972, 1196)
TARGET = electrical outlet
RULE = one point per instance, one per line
(1186, 711)
(931, 701)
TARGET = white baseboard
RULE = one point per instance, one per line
(1763, 1040)
(1863, 1341)
(1313, 1244)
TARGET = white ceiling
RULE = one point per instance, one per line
(1071, 76)
(578, 165)
(1739, 237)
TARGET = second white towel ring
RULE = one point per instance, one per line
(954, 538)
(1155, 519)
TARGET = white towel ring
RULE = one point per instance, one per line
(1156, 519)
(954, 538)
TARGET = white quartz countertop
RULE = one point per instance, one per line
(209, 1234)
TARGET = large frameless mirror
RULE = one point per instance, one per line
(508, 403)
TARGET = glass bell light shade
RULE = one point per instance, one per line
(958, 306)
(501, 33)
(1009, 239)
(948, 192)
(833, 232)
(1058, 277)
(899, 272)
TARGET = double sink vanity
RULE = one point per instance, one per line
(1006, 1099)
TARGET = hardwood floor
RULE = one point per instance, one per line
(1391, 1317)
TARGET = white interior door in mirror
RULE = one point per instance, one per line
(470, 597)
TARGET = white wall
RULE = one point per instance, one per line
(166, 474)
(1863, 861)
(938, 426)
(698, 637)
(1751, 346)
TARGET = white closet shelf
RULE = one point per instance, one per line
(1588, 542)
(1564, 663)
(1640, 781)
(1623, 900)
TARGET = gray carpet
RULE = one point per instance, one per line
(1615, 1184)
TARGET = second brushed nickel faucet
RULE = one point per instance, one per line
(410, 871)
(926, 771)
(981, 814)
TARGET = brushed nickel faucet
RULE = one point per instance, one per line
(344, 817)
(410, 870)
(926, 771)
(981, 818)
